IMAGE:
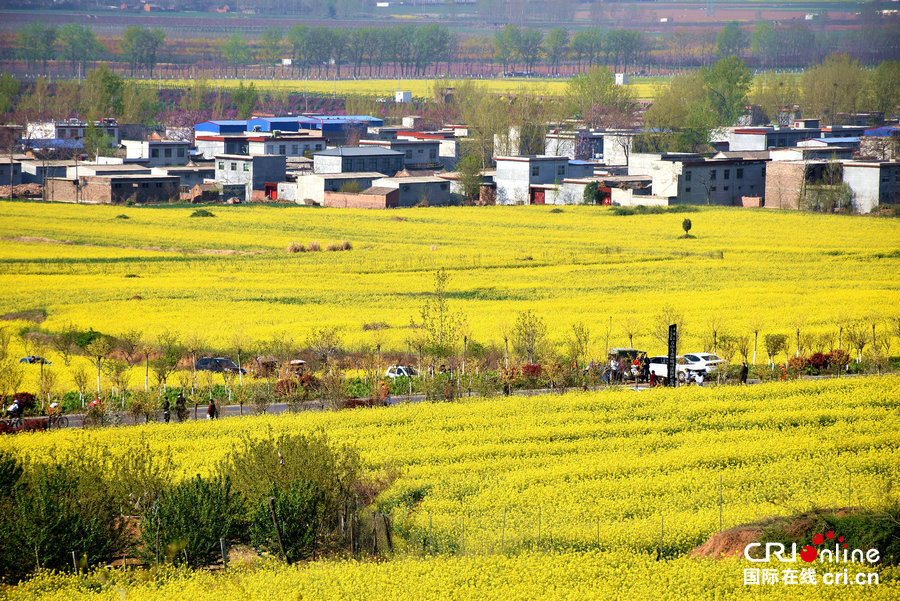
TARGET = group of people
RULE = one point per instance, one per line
(622, 369)
(181, 412)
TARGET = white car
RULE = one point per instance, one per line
(660, 366)
(401, 371)
(705, 362)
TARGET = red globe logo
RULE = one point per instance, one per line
(808, 554)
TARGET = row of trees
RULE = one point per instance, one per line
(412, 50)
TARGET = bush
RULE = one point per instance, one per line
(345, 245)
(256, 465)
(313, 247)
(57, 510)
(837, 359)
(299, 509)
(122, 217)
(333, 246)
(202, 213)
(818, 361)
(798, 364)
(188, 520)
(296, 247)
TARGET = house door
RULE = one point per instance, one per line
(537, 197)
(271, 190)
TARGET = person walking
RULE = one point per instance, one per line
(166, 407)
(212, 412)
(744, 371)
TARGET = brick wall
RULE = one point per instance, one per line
(362, 201)
(783, 183)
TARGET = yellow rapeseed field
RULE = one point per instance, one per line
(641, 87)
(603, 469)
(162, 270)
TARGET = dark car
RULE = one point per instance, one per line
(218, 364)
(33, 359)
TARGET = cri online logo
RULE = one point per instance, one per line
(839, 554)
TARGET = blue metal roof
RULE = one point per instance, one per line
(274, 123)
(846, 140)
(68, 143)
(882, 132)
(227, 126)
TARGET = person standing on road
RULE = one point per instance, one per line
(744, 371)
(181, 407)
(212, 412)
(166, 408)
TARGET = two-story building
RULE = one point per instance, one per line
(524, 179)
(259, 175)
(873, 183)
(70, 129)
(687, 178)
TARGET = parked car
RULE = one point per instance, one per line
(218, 364)
(33, 359)
(660, 366)
(628, 354)
(401, 371)
(705, 362)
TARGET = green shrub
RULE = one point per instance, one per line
(258, 464)
(187, 521)
(57, 511)
(299, 509)
(202, 213)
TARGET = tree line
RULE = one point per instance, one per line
(416, 50)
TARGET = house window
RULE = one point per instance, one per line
(318, 147)
(158, 185)
(234, 166)
(144, 185)
(246, 167)
(535, 171)
(111, 133)
(739, 173)
(168, 153)
(687, 189)
(561, 170)
(222, 165)
(726, 188)
(713, 189)
(712, 174)
(181, 152)
(443, 186)
(282, 149)
(154, 153)
(727, 174)
(687, 176)
(293, 149)
(409, 154)
(432, 153)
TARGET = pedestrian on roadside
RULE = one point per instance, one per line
(744, 371)
(166, 407)
(645, 368)
(212, 412)
(181, 407)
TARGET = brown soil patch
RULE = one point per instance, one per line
(730, 543)
(33, 316)
(195, 251)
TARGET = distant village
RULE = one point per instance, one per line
(356, 161)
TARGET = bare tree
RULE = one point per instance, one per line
(529, 335)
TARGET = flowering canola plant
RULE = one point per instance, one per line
(602, 469)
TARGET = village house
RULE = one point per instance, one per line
(157, 153)
(686, 178)
(524, 179)
(433, 190)
(310, 189)
(371, 198)
(417, 154)
(70, 129)
(113, 189)
(365, 158)
(259, 175)
(873, 184)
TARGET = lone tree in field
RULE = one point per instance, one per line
(686, 226)
(529, 335)
(440, 325)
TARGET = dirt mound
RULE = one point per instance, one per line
(23, 191)
(730, 543)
